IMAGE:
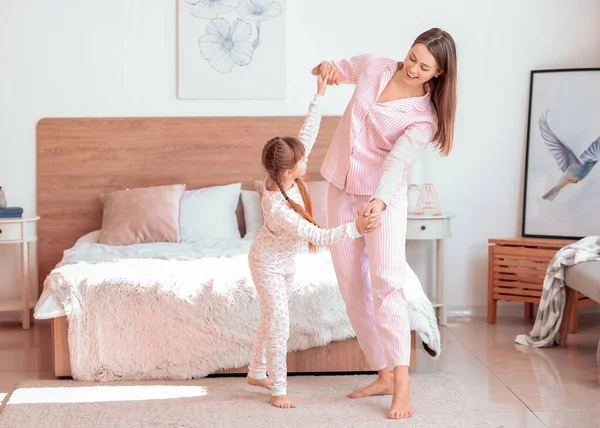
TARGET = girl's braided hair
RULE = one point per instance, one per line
(279, 155)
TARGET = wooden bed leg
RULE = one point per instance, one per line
(60, 347)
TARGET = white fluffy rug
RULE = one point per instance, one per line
(438, 401)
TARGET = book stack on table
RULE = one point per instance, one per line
(11, 212)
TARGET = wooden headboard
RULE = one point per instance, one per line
(78, 159)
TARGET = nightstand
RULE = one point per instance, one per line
(437, 229)
(22, 232)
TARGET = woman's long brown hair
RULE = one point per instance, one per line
(444, 87)
(279, 155)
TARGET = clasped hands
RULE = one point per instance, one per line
(372, 212)
(327, 72)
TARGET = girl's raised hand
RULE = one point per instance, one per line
(321, 85)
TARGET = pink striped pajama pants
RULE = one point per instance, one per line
(375, 303)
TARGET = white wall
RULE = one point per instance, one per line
(68, 58)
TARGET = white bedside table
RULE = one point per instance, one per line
(436, 228)
(21, 231)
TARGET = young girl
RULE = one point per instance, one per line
(288, 222)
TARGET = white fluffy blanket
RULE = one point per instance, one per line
(183, 317)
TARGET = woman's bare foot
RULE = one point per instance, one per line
(263, 383)
(282, 401)
(400, 408)
(384, 385)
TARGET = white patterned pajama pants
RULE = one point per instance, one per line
(269, 351)
(370, 272)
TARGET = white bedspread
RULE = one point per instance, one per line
(176, 311)
(87, 249)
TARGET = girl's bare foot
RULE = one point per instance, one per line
(282, 401)
(400, 408)
(384, 385)
(263, 383)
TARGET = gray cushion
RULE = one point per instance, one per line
(585, 278)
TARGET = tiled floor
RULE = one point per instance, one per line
(515, 386)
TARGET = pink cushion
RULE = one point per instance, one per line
(142, 215)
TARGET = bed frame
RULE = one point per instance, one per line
(80, 158)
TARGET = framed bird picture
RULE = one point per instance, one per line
(561, 197)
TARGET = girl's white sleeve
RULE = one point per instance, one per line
(305, 230)
(310, 128)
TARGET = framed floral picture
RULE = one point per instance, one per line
(561, 196)
(231, 49)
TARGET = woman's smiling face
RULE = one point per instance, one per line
(420, 65)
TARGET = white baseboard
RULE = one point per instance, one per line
(504, 309)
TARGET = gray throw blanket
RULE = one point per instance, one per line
(546, 328)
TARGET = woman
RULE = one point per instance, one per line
(396, 111)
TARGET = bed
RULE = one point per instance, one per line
(80, 159)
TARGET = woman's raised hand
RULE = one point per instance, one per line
(328, 72)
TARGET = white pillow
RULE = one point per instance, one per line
(209, 213)
(89, 238)
(253, 215)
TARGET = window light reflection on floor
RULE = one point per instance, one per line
(91, 394)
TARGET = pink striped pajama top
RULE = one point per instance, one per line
(375, 143)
